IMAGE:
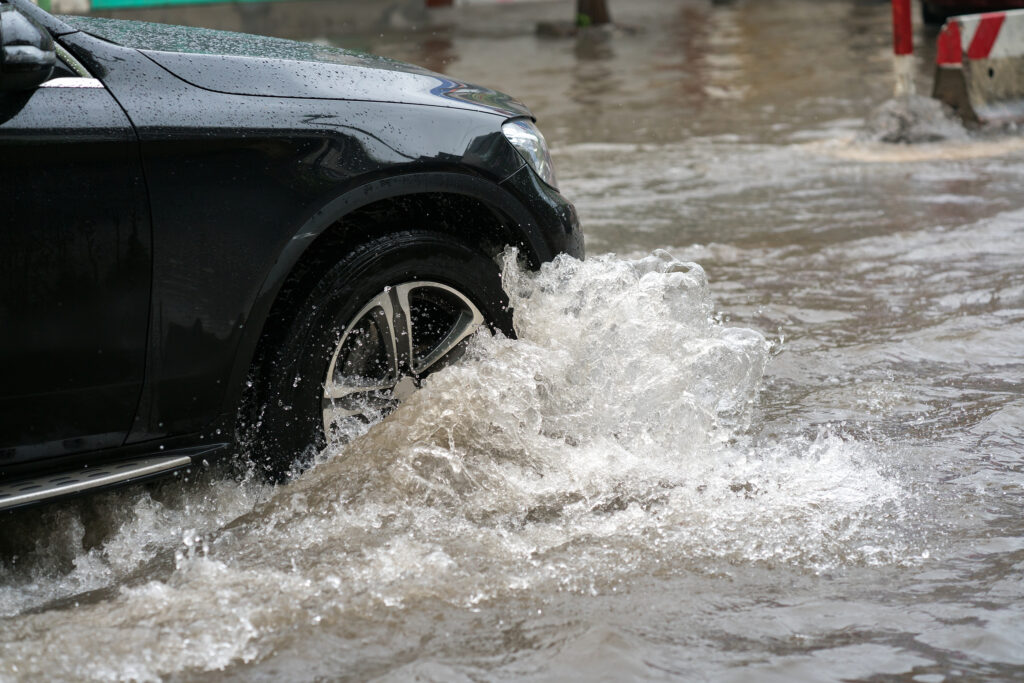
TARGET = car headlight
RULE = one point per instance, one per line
(530, 143)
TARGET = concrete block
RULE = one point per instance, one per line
(980, 66)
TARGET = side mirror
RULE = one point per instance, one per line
(27, 56)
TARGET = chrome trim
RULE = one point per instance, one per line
(70, 61)
(68, 82)
(56, 484)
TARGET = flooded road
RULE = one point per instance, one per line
(771, 430)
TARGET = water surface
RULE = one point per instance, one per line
(770, 430)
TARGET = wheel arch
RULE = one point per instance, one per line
(475, 211)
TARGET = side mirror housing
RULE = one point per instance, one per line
(27, 56)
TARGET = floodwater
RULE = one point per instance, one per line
(800, 459)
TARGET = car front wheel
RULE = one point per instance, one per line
(379, 321)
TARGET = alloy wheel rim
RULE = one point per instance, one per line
(396, 339)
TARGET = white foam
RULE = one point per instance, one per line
(609, 440)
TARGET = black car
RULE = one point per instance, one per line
(938, 11)
(222, 244)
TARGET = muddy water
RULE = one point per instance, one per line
(770, 430)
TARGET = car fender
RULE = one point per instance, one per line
(524, 231)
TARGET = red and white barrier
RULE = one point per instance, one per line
(980, 66)
(902, 47)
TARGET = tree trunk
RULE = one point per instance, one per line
(592, 12)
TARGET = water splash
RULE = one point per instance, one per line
(611, 439)
(913, 119)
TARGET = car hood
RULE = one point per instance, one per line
(243, 64)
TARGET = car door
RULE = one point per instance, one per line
(75, 262)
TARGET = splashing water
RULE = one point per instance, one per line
(913, 119)
(612, 439)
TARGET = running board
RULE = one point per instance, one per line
(31, 490)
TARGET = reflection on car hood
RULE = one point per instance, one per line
(244, 64)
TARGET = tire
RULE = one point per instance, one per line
(336, 360)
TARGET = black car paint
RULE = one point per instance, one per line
(75, 259)
(243, 64)
(238, 188)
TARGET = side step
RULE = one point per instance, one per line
(27, 491)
